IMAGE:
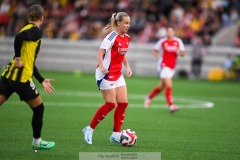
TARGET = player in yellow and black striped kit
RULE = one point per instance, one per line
(17, 76)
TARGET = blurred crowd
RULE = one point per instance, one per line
(84, 19)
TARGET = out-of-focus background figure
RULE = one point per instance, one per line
(227, 66)
(198, 51)
(167, 51)
(236, 66)
(237, 39)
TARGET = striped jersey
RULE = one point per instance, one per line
(116, 47)
(28, 51)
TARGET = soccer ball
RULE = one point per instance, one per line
(128, 138)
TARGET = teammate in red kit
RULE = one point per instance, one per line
(109, 78)
(171, 47)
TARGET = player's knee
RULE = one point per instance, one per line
(158, 87)
(163, 84)
(168, 85)
(2, 99)
(1, 102)
(34, 103)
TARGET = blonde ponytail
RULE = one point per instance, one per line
(111, 25)
(113, 21)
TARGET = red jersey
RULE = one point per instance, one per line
(116, 47)
(169, 50)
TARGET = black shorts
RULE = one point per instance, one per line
(26, 91)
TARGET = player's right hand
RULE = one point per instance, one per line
(104, 70)
(18, 63)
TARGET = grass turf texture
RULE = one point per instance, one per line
(189, 134)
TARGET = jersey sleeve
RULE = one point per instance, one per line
(34, 34)
(106, 44)
(157, 46)
(181, 45)
(18, 41)
(37, 75)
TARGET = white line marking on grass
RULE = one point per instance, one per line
(132, 105)
(158, 102)
(182, 102)
(219, 99)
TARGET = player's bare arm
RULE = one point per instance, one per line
(180, 53)
(18, 63)
(100, 55)
(46, 83)
(156, 53)
(126, 64)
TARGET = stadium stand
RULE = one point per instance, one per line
(70, 24)
(81, 19)
(65, 55)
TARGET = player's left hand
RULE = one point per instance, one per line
(18, 63)
(180, 53)
(129, 72)
(47, 86)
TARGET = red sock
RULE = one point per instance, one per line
(168, 95)
(101, 113)
(154, 92)
(119, 116)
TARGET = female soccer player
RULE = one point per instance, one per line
(109, 78)
(17, 76)
(171, 47)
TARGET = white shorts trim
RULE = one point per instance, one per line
(105, 84)
(166, 72)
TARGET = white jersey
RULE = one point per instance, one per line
(116, 47)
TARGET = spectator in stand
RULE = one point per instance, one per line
(197, 22)
(4, 18)
(234, 16)
(81, 19)
(177, 11)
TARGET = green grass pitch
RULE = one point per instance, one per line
(193, 133)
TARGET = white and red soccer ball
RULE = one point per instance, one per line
(128, 137)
